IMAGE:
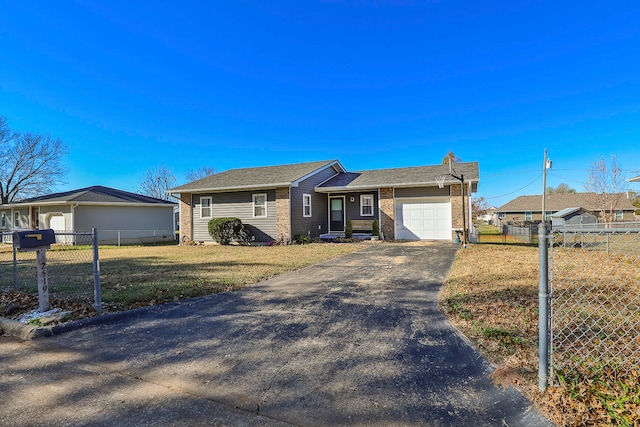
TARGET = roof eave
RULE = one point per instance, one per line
(229, 189)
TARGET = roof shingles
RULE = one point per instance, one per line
(558, 202)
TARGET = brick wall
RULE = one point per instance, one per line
(283, 214)
(387, 213)
(185, 217)
(456, 208)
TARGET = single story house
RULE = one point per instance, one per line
(525, 209)
(573, 216)
(312, 199)
(119, 216)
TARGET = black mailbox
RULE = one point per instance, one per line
(33, 239)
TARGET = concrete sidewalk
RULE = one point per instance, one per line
(352, 341)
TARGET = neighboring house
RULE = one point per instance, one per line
(313, 199)
(106, 209)
(573, 216)
(525, 209)
(488, 217)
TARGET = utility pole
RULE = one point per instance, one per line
(543, 288)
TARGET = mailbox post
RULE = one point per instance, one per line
(37, 241)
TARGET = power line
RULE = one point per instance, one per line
(519, 189)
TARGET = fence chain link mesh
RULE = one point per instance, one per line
(595, 285)
(69, 267)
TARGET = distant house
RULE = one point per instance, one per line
(488, 217)
(572, 216)
(114, 213)
(605, 207)
(315, 199)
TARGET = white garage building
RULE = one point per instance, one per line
(119, 216)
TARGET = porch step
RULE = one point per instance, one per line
(333, 236)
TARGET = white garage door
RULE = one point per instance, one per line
(56, 222)
(424, 219)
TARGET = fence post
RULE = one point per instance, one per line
(97, 291)
(543, 312)
(15, 269)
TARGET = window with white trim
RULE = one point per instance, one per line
(502, 215)
(205, 207)
(547, 215)
(306, 205)
(528, 216)
(259, 205)
(366, 205)
(3, 220)
(36, 219)
(16, 219)
(618, 216)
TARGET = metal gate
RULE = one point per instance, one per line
(595, 300)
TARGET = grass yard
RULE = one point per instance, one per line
(133, 277)
(138, 276)
(491, 295)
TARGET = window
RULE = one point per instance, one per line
(259, 205)
(547, 215)
(366, 205)
(618, 216)
(306, 205)
(36, 219)
(16, 219)
(527, 216)
(502, 215)
(205, 207)
(3, 220)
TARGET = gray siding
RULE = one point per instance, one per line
(423, 192)
(238, 205)
(123, 218)
(353, 208)
(46, 212)
(318, 223)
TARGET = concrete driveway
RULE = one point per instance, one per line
(352, 341)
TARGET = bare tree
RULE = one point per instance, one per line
(156, 182)
(450, 157)
(561, 189)
(199, 173)
(479, 206)
(605, 180)
(31, 163)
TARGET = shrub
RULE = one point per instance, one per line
(375, 228)
(225, 230)
(348, 230)
(301, 239)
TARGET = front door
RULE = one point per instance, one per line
(336, 214)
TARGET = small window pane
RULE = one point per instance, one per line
(366, 205)
(205, 207)
(306, 205)
(259, 205)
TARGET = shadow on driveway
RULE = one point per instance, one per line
(352, 341)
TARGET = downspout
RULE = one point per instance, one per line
(173, 220)
(380, 217)
(73, 216)
(472, 228)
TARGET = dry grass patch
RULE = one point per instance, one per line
(148, 275)
(492, 296)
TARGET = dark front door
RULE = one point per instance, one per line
(336, 212)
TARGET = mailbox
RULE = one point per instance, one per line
(33, 239)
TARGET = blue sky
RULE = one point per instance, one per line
(131, 85)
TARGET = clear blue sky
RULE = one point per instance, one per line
(130, 85)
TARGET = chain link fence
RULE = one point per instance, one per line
(595, 300)
(72, 268)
